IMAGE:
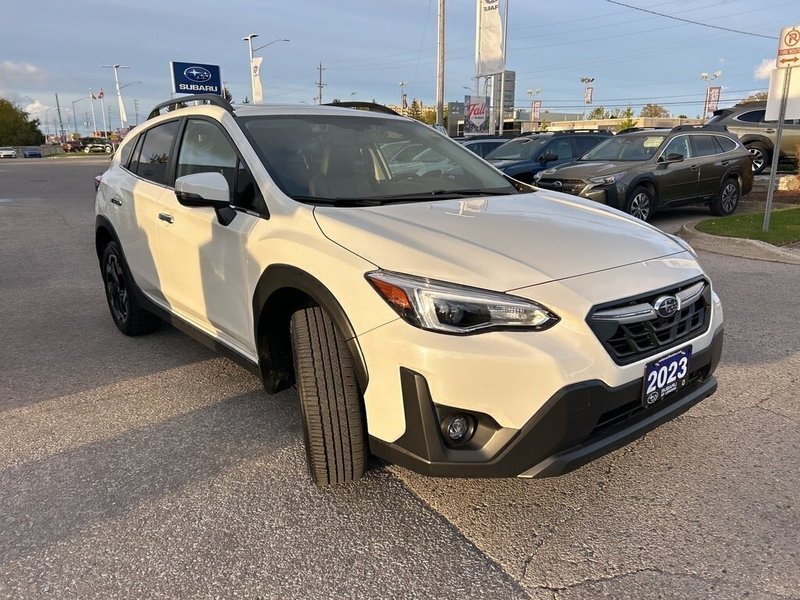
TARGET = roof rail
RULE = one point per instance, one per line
(368, 106)
(566, 131)
(707, 126)
(184, 101)
(632, 129)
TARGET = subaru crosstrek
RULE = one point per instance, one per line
(457, 323)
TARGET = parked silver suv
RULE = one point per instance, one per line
(747, 120)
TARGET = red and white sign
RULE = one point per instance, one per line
(587, 95)
(789, 48)
(476, 113)
(537, 109)
(712, 99)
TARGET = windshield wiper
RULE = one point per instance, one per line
(450, 194)
(322, 201)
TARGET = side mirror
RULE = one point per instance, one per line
(546, 158)
(203, 190)
(672, 158)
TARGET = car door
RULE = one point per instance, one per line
(713, 164)
(205, 261)
(677, 181)
(134, 213)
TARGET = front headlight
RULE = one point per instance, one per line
(449, 308)
(608, 179)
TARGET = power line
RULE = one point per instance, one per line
(652, 12)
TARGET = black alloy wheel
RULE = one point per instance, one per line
(128, 316)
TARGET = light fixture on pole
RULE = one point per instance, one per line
(74, 115)
(533, 93)
(587, 94)
(708, 79)
(255, 66)
(123, 118)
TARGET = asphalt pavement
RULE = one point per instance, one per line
(153, 468)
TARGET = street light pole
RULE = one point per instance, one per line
(123, 118)
(402, 85)
(251, 51)
(708, 79)
(75, 116)
(533, 93)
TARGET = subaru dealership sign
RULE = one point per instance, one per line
(195, 78)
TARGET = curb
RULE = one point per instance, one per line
(753, 249)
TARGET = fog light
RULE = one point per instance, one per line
(459, 428)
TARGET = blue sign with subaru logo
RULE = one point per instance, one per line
(195, 78)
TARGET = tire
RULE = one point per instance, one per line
(87, 150)
(330, 401)
(641, 203)
(728, 198)
(760, 156)
(128, 316)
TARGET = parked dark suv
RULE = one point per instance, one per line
(747, 120)
(523, 157)
(94, 144)
(642, 171)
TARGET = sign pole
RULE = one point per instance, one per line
(776, 152)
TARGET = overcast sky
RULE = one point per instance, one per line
(368, 46)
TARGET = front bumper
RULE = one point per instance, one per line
(576, 425)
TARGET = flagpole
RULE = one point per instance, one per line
(94, 121)
(477, 47)
(103, 110)
(503, 76)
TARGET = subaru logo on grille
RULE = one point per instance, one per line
(666, 306)
(557, 184)
(197, 74)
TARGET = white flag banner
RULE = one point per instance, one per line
(490, 38)
(258, 95)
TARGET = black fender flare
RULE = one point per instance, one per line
(759, 139)
(642, 179)
(272, 357)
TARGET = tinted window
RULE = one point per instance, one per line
(753, 116)
(125, 153)
(156, 148)
(626, 147)
(704, 145)
(137, 150)
(726, 144)
(521, 148)
(586, 143)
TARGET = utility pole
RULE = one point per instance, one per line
(440, 69)
(94, 121)
(136, 110)
(60, 122)
(320, 85)
(403, 85)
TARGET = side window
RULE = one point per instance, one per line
(137, 150)
(562, 148)
(678, 145)
(752, 116)
(726, 144)
(155, 152)
(704, 145)
(127, 150)
(586, 143)
(205, 149)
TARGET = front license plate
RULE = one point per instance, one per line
(666, 376)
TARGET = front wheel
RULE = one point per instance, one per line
(640, 204)
(128, 316)
(330, 401)
(728, 198)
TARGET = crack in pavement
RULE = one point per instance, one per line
(592, 580)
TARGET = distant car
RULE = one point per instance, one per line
(524, 156)
(482, 147)
(92, 144)
(642, 171)
(32, 153)
(748, 121)
(72, 146)
(8, 152)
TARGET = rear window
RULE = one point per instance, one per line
(726, 144)
(752, 116)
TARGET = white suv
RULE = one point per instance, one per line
(450, 320)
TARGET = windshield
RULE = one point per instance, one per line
(518, 149)
(347, 160)
(626, 147)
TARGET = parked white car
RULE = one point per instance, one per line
(8, 152)
(456, 322)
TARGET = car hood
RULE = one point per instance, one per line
(501, 242)
(586, 169)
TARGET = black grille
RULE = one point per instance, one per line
(568, 186)
(633, 341)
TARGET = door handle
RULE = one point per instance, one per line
(116, 201)
(166, 217)
(725, 163)
(769, 131)
(694, 168)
